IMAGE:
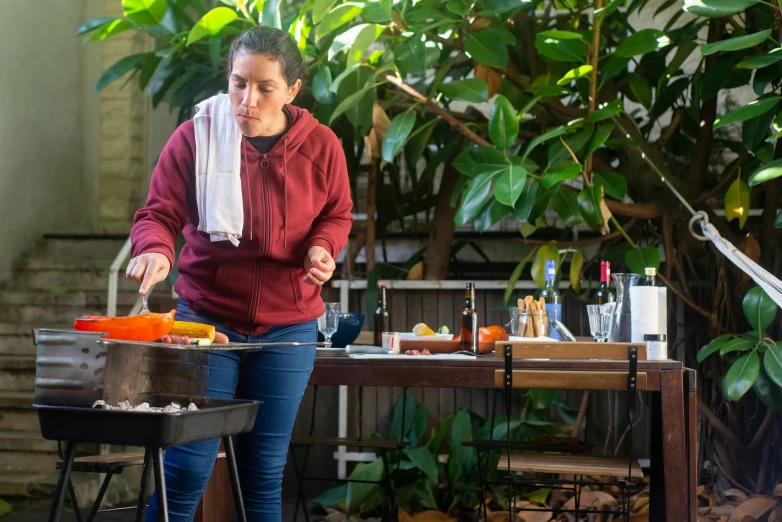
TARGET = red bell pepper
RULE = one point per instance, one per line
(143, 327)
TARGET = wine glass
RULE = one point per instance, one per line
(328, 322)
(600, 319)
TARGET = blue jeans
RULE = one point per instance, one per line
(276, 376)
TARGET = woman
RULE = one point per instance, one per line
(261, 240)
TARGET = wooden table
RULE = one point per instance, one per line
(673, 471)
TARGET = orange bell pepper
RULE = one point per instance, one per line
(492, 333)
(143, 327)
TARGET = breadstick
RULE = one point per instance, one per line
(533, 308)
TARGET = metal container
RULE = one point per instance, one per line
(69, 367)
(74, 369)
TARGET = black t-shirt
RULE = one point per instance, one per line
(264, 144)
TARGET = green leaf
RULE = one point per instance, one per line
(405, 407)
(541, 399)
(684, 50)
(638, 259)
(486, 47)
(320, 9)
(477, 160)
(378, 12)
(772, 362)
(398, 131)
(418, 429)
(495, 7)
(439, 435)
(424, 461)
(759, 61)
(565, 202)
(754, 130)
(778, 220)
(560, 174)
(332, 497)
(751, 110)
(411, 56)
(510, 185)
(119, 69)
(472, 90)
(337, 17)
(717, 8)
(526, 201)
(614, 185)
(561, 46)
(351, 101)
(640, 89)
(359, 491)
(574, 74)
(614, 66)
(547, 90)
(492, 212)
(576, 266)
(211, 23)
(363, 41)
(539, 496)
(608, 110)
(758, 308)
(601, 135)
(736, 43)
(514, 277)
(417, 142)
(503, 125)
(474, 197)
(642, 42)
(146, 12)
(741, 376)
(345, 40)
(109, 29)
(739, 344)
(321, 84)
(768, 391)
(589, 202)
(553, 133)
(93, 24)
(712, 347)
(668, 97)
(545, 253)
(736, 202)
(767, 172)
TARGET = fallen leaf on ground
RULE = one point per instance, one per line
(432, 516)
(403, 516)
(593, 499)
(776, 515)
(735, 493)
(754, 507)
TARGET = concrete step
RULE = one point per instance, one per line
(17, 413)
(17, 338)
(69, 278)
(25, 441)
(84, 247)
(123, 489)
(26, 461)
(17, 372)
(44, 308)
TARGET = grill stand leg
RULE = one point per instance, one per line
(160, 485)
(96, 505)
(62, 482)
(230, 455)
(141, 507)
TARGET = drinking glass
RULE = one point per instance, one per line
(328, 322)
(600, 320)
(513, 325)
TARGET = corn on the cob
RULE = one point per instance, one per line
(199, 330)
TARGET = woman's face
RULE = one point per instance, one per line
(258, 92)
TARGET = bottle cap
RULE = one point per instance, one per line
(381, 285)
(651, 271)
(655, 337)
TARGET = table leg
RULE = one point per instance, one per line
(656, 489)
(141, 508)
(692, 439)
(62, 482)
(674, 447)
(160, 484)
(233, 471)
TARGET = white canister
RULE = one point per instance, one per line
(656, 347)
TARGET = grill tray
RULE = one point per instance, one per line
(214, 419)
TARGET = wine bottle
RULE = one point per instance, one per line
(604, 292)
(381, 315)
(551, 296)
(468, 340)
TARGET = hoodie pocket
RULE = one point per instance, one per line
(296, 283)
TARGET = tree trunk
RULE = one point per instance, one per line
(441, 234)
(371, 206)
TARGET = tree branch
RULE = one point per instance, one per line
(594, 51)
(684, 298)
(768, 421)
(582, 242)
(717, 424)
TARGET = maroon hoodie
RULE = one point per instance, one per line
(295, 197)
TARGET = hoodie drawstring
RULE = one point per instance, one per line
(249, 195)
(285, 191)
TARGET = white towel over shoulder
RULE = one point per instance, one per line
(218, 167)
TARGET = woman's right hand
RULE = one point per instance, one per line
(148, 270)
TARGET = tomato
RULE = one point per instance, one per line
(143, 327)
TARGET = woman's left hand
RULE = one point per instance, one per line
(319, 266)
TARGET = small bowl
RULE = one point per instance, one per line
(347, 330)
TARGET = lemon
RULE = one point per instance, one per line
(443, 330)
(422, 329)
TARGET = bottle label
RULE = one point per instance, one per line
(554, 313)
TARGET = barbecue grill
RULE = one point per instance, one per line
(74, 369)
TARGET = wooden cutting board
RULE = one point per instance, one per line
(440, 345)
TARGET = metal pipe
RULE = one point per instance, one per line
(111, 307)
